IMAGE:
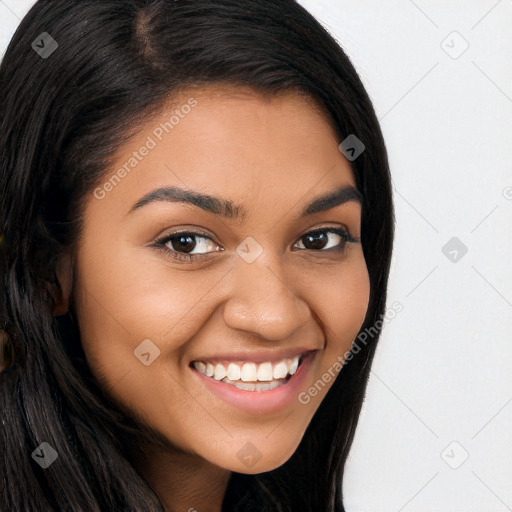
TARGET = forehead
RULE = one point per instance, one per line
(242, 112)
(232, 142)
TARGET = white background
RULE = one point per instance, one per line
(441, 385)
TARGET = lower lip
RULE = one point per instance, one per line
(260, 402)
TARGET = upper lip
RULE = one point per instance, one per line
(262, 356)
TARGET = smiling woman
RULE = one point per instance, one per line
(197, 219)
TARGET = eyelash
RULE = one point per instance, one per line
(161, 244)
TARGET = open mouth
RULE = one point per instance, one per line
(249, 376)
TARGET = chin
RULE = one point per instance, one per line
(251, 460)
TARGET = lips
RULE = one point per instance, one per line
(249, 375)
(255, 397)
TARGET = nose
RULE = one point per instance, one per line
(263, 303)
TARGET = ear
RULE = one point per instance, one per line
(64, 273)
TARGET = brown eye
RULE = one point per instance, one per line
(315, 240)
(188, 242)
(186, 246)
(184, 243)
(319, 240)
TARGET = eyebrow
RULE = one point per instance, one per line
(227, 209)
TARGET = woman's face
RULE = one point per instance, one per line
(268, 276)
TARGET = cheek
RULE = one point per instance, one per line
(343, 304)
(120, 305)
(344, 299)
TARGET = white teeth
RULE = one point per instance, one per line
(259, 386)
(220, 372)
(233, 372)
(280, 371)
(265, 372)
(293, 366)
(249, 372)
